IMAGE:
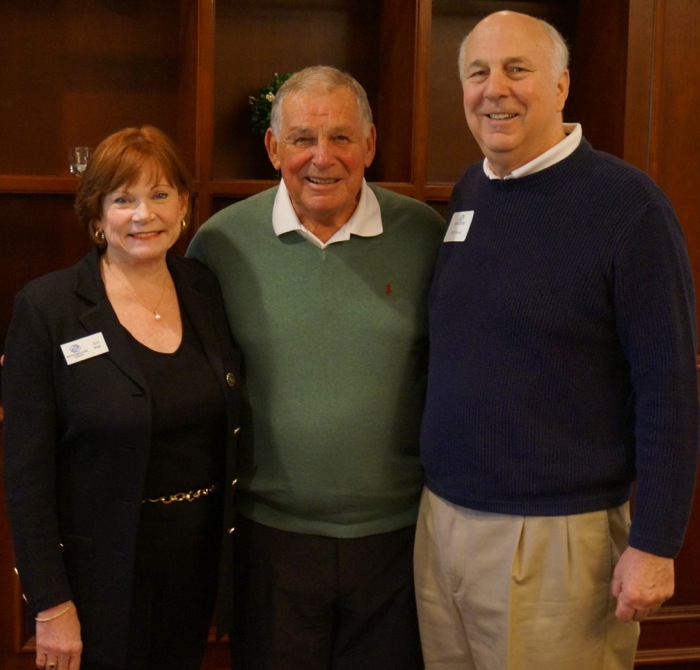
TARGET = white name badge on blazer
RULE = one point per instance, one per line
(459, 226)
(84, 348)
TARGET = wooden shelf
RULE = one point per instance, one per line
(16, 183)
(195, 77)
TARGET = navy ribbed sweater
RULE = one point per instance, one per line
(563, 350)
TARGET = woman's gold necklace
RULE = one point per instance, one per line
(154, 310)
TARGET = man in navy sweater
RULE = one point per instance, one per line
(562, 370)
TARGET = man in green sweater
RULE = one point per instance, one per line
(325, 280)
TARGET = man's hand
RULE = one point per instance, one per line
(642, 582)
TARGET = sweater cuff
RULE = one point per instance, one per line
(655, 546)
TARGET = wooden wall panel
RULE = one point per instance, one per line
(674, 146)
(661, 137)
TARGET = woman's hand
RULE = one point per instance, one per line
(58, 642)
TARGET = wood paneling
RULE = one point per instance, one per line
(74, 72)
(661, 137)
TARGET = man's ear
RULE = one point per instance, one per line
(271, 146)
(371, 146)
(562, 90)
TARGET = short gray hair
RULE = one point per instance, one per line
(323, 79)
(559, 55)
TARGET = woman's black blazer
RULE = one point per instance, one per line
(77, 437)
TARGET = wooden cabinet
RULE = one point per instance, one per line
(74, 72)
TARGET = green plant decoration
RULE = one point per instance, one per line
(261, 104)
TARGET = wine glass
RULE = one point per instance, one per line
(78, 158)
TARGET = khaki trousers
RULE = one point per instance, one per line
(501, 592)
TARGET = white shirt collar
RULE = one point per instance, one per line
(557, 153)
(366, 220)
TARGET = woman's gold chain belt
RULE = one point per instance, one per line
(188, 496)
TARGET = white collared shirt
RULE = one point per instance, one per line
(558, 152)
(366, 220)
